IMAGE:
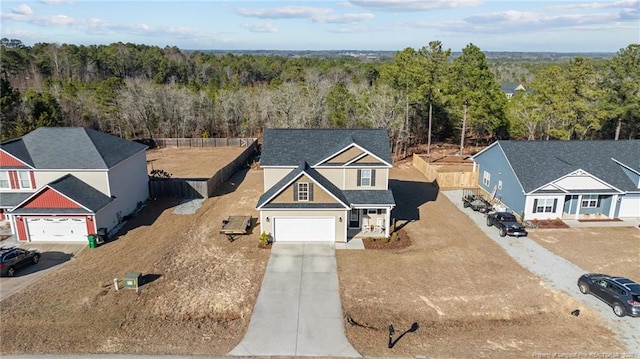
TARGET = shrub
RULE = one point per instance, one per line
(394, 236)
(370, 239)
(265, 238)
(385, 239)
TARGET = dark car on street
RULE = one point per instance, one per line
(506, 223)
(13, 258)
(621, 293)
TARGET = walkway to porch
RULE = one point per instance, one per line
(359, 233)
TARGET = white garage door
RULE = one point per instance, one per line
(630, 206)
(298, 229)
(57, 229)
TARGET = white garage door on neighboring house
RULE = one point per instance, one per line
(304, 229)
(57, 229)
(630, 206)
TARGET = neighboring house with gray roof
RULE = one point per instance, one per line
(325, 184)
(563, 179)
(510, 89)
(63, 183)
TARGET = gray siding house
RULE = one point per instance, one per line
(563, 179)
(325, 184)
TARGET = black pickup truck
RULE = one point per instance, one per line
(506, 223)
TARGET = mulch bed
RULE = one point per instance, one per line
(402, 241)
(549, 223)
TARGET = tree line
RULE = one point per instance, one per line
(419, 95)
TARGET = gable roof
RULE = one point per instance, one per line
(509, 87)
(76, 190)
(290, 147)
(71, 148)
(537, 163)
(295, 174)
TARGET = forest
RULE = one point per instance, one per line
(418, 95)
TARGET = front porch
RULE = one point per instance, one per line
(368, 222)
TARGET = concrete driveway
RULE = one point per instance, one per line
(557, 272)
(53, 255)
(298, 311)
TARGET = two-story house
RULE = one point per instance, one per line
(63, 183)
(325, 184)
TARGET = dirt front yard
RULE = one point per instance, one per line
(198, 298)
(466, 295)
(613, 250)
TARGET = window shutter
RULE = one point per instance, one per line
(310, 191)
(598, 203)
(359, 178)
(535, 205)
(295, 191)
(373, 177)
(555, 202)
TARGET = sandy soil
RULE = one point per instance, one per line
(613, 251)
(198, 299)
(467, 296)
(194, 162)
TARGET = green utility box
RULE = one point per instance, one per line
(132, 280)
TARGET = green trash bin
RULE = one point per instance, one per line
(92, 240)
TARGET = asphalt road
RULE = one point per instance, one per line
(557, 273)
(53, 255)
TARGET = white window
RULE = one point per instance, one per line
(372, 211)
(25, 179)
(544, 205)
(365, 178)
(303, 191)
(4, 180)
(499, 184)
(486, 178)
(590, 201)
(381, 211)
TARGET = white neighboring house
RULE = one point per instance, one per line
(64, 183)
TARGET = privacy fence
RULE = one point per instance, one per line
(459, 175)
(201, 188)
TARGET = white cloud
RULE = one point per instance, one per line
(414, 5)
(54, 2)
(343, 19)
(261, 27)
(598, 5)
(287, 12)
(22, 9)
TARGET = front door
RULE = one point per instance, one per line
(354, 218)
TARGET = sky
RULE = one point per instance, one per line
(392, 25)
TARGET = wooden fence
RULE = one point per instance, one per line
(462, 177)
(201, 188)
(201, 142)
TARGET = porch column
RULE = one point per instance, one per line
(387, 220)
(578, 206)
(614, 204)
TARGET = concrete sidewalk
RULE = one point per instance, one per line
(298, 311)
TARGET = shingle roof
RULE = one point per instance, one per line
(76, 190)
(302, 168)
(370, 197)
(290, 147)
(11, 199)
(537, 163)
(71, 148)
